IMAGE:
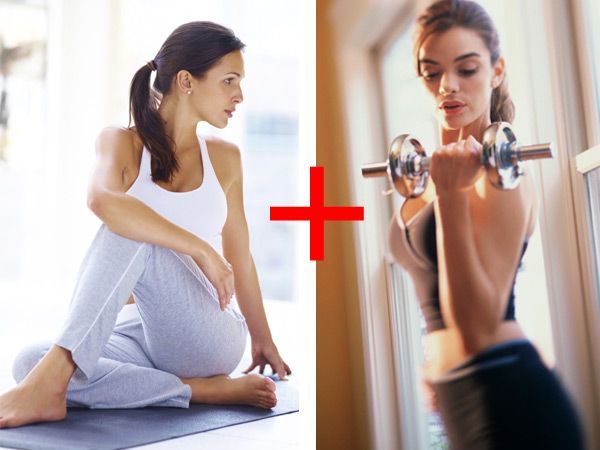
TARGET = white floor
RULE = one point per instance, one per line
(23, 322)
(277, 433)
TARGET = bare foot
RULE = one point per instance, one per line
(42, 394)
(29, 403)
(251, 389)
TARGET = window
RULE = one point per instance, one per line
(589, 160)
(593, 185)
(23, 132)
(592, 13)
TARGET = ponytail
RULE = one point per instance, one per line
(502, 107)
(143, 108)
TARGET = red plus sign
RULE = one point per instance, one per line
(317, 213)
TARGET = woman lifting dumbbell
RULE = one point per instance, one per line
(461, 237)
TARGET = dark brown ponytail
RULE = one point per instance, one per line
(503, 108)
(445, 14)
(195, 47)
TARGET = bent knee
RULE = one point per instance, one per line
(26, 360)
(230, 357)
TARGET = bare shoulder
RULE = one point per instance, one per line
(225, 158)
(117, 143)
(113, 134)
(121, 149)
(220, 149)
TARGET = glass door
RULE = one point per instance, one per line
(588, 161)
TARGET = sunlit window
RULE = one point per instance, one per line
(593, 185)
(591, 13)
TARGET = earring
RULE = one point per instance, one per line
(188, 92)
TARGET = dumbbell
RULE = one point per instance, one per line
(407, 166)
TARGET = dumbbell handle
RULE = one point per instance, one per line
(534, 151)
(373, 170)
(521, 153)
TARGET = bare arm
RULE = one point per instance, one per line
(123, 213)
(133, 219)
(236, 249)
(477, 253)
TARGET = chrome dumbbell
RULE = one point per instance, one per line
(407, 166)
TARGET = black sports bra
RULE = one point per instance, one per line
(413, 246)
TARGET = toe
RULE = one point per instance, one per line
(269, 384)
(270, 400)
(267, 400)
(267, 404)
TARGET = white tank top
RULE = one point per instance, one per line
(201, 211)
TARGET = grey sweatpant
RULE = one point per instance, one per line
(175, 329)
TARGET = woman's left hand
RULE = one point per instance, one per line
(267, 353)
(456, 167)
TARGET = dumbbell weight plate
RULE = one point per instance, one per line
(502, 169)
(404, 157)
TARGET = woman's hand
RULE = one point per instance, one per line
(219, 273)
(267, 353)
(456, 167)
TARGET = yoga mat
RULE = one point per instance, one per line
(109, 429)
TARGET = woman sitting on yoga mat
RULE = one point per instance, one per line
(462, 241)
(171, 204)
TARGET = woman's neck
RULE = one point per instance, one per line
(178, 125)
(475, 129)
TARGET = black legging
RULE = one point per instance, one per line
(505, 398)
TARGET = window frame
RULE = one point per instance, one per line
(573, 87)
(357, 30)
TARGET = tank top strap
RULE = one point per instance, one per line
(145, 166)
(206, 163)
